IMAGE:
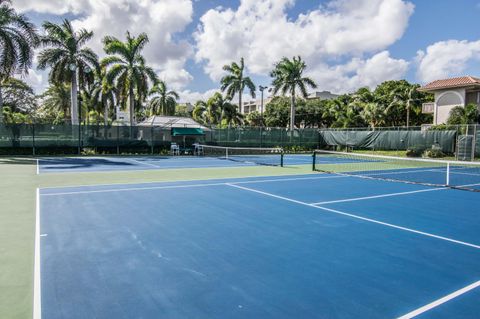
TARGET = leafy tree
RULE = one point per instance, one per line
(235, 82)
(127, 70)
(163, 101)
(287, 77)
(68, 58)
(255, 119)
(460, 115)
(18, 38)
(182, 110)
(277, 112)
(18, 96)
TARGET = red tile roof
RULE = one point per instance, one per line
(450, 83)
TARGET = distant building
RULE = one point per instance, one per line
(450, 93)
(324, 95)
(256, 105)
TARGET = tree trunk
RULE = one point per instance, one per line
(292, 111)
(74, 99)
(131, 105)
(240, 101)
(408, 114)
(105, 111)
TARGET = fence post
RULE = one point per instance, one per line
(151, 138)
(33, 139)
(118, 141)
(474, 141)
(79, 138)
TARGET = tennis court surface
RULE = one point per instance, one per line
(97, 164)
(307, 246)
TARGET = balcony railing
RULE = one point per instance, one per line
(428, 108)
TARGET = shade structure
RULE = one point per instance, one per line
(184, 131)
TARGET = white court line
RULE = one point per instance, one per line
(142, 163)
(359, 217)
(132, 189)
(177, 186)
(37, 297)
(440, 301)
(379, 196)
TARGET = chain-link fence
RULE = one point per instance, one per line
(461, 141)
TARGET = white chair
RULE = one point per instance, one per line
(198, 150)
(174, 149)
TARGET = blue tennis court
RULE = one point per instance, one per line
(97, 164)
(310, 246)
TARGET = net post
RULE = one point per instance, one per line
(226, 153)
(448, 175)
(314, 157)
(281, 157)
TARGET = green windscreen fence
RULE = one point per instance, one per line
(44, 139)
(390, 140)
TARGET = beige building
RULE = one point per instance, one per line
(450, 93)
(256, 105)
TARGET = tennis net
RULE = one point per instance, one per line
(454, 174)
(254, 155)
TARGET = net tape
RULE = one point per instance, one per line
(255, 155)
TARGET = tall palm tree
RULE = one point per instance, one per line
(235, 82)
(164, 101)
(104, 93)
(18, 38)
(127, 69)
(287, 77)
(68, 58)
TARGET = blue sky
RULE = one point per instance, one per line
(347, 44)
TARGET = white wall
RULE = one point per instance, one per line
(445, 101)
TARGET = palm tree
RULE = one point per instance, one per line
(68, 58)
(199, 112)
(287, 77)
(128, 71)
(18, 38)
(231, 114)
(104, 93)
(57, 97)
(164, 101)
(235, 82)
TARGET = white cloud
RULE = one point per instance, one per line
(193, 97)
(261, 32)
(358, 73)
(51, 6)
(160, 19)
(446, 58)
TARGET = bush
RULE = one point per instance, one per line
(433, 153)
(415, 151)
